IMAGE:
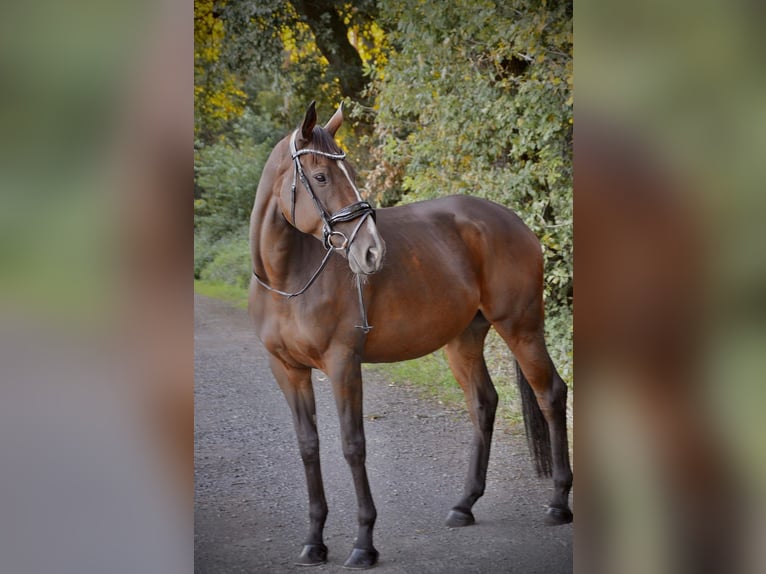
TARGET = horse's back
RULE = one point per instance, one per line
(465, 211)
(491, 237)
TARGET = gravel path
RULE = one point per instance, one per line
(251, 509)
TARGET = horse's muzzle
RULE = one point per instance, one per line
(367, 251)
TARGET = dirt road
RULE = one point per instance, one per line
(251, 509)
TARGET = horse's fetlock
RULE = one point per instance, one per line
(562, 479)
(318, 513)
(367, 517)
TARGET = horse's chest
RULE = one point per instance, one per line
(294, 335)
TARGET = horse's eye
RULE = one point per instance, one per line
(320, 177)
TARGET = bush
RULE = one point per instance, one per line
(230, 262)
(227, 172)
(204, 252)
(477, 99)
(226, 178)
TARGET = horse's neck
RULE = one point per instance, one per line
(275, 244)
(270, 236)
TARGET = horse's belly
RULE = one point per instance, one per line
(397, 352)
(415, 331)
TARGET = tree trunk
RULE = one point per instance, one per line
(331, 35)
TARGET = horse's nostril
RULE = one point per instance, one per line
(372, 256)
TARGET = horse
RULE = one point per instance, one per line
(337, 283)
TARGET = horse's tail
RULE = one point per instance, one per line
(538, 439)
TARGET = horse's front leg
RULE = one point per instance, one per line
(346, 376)
(299, 392)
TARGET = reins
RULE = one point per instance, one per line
(359, 210)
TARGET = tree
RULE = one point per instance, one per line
(328, 23)
(218, 97)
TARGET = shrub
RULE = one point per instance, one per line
(226, 178)
(231, 262)
(204, 252)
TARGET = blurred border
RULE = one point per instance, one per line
(669, 323)
(96, 398)
(96, 301)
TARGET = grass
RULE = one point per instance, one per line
(432, 378)
(222, 291)
(430, 375)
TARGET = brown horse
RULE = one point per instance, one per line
(449, 269)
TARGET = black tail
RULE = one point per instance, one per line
(538, 439)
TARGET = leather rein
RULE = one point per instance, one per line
(359, 210)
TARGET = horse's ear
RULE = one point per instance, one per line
(335, 121)
(309, 121)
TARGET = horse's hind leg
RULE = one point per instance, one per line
(299, 392)
(466, 358)
(526, 340)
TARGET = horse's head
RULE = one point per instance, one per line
(320, 196)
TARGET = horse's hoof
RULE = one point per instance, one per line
(457, 518)
(361, 559)
(555, 516)
(312, 555)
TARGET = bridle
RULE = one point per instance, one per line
(360, 210)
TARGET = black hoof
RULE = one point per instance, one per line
(556, 516)
(361, 559)
(312, 555)
(457, 518)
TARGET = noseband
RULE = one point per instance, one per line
(359, 210)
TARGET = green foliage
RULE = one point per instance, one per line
(558, 337)
(204, 251)
(476, 98)
(230, 263)
(217, 95)
(227, 175)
